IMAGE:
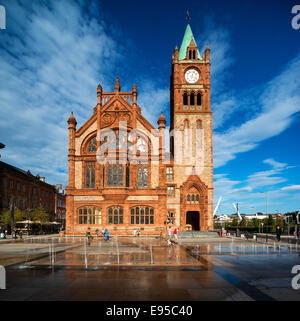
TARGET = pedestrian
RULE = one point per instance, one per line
(278, 233)
(103, 234)
(107, 235)
(175, 233)
(21, 234)
(169, 232)
(88, 233)
(138, 233)
(134, 232)
(97, 232)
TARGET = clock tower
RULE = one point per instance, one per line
(191, 130)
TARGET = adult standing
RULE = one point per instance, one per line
(107, 235)
(278, 233)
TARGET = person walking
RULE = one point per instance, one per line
(107, 235)
(97, 232)
(278, 233)
(103, 234)
(21, 234)
(169, 232)
(175, 233)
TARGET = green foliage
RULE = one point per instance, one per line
(40, 215)
(5, 218)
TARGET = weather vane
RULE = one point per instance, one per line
(188, 18)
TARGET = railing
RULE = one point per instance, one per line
(126, 96)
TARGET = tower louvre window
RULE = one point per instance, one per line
(190, 54)
(185, 99)
(199, 99)
(194, 54)
(192, 99)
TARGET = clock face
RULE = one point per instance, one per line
(192, 76)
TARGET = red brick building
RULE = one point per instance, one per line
(60, 205)
(121, 177)
(24, 189)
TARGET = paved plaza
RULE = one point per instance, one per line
(146, 269)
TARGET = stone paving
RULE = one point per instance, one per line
(128, 268)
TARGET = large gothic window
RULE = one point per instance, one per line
(115, 175)
(142, 215)
(142, 176)
(90, 175)
(115, 215)
(89, 215)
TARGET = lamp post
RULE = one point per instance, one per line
(266, 202)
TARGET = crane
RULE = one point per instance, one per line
(217, 206)
(237, 211)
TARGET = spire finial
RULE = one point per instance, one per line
(188, 18)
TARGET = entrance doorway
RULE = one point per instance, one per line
(193, 218)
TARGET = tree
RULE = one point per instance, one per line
(39, 215)
(5, 219)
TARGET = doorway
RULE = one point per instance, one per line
(193, 218)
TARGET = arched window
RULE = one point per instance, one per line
(90, 175)
(194, 54)
(188, 198)
(185, 98)
(115, 215)
(186, 124)
(192, 99)
(92, 145)
(190, 54)
(142, 215)
(89, 215)
(199, 99)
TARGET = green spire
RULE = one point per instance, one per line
(188, 36)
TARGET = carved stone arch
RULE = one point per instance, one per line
(85, 142)
(192, 184)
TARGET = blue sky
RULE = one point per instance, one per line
(54, 53)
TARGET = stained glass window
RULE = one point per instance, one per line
(90, 176)
(92, 146)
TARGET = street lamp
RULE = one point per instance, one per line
(266, 201)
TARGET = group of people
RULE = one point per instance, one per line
(136, 233)
(105, 234)
(169, 235)
(14, 233)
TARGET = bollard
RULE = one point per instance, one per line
(2, 278)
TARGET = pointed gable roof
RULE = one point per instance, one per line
(188, 36)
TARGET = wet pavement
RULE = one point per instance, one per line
(146, 269)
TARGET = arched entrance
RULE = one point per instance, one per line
(193, 218)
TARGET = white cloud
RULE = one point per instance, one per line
(279, 101)
(53, 55)
(291, 188)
